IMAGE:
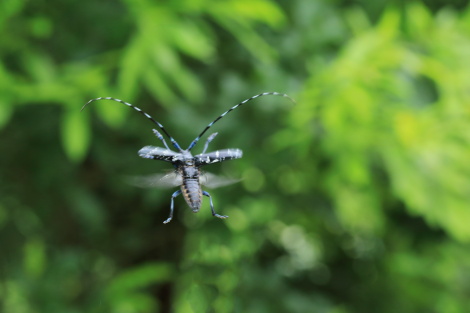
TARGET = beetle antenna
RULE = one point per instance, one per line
(173, 141)
(233, 108)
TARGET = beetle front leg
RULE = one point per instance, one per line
(205, 193)
(173, 196)
(211, 137)
(159, 136)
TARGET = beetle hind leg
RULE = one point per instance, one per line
(205, 193)
(173, 196)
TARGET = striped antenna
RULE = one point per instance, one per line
(233, 108)
(173, 141)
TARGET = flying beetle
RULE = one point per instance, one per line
(187, 173)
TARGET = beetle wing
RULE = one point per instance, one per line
(169, 180)
(159, 153)
(218, 156)
(213, 181)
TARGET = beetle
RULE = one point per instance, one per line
(187, 173)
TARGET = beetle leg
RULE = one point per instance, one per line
(159, 136)
(211, 137)
(205, 193)
(173, 196)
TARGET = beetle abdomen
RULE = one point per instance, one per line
(192, 193)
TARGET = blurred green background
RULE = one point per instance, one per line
(356, 199)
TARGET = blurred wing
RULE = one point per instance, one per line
(169, 180)
(213, 181)
(158, 153)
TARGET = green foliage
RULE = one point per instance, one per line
(393, 104)
(152, 58)
(122, 292)
(355, 199)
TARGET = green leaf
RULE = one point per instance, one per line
(6, 110)
(193, 39)
(34, 257)
(135, 303)
(132, 66)
(75, 133)
(158, 87)
(111, 112)
(138, 277)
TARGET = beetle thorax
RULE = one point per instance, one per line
(189, 172)
(186, 155)
(187, 166)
